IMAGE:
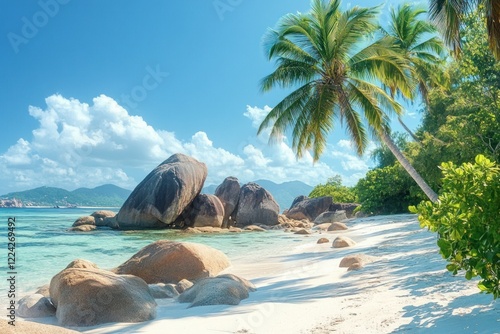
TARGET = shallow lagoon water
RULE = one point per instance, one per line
(44, 246)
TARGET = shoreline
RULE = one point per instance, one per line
(303, 290)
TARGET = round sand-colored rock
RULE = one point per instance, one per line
(183, 285)
(254, 228)
(337, 226)
(90, 296)
(341, 242)
(82, 228)
(303, 231)
(164, 194)
(29, 327)
(349, 260)
(102, 217)
(85, 220)
(323, 241)
(81, 263)
(256, 206)
(168, 261)
(229, 193)
(355, 266)
(35, 306)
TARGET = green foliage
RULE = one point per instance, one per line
(466, 219)
(387, 190)
(464, 120)
(334, 188)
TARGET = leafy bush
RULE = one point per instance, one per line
(387, 190)
(467, 220)
(334, 188)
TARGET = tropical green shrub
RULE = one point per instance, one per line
(334, 188)
(387, 190)
(467, 220)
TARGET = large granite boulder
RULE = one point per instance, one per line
(92, 296)
(167, 261)
(229, 193)
(221, 290)
(205, 210)
(256, 206)
(164, 194)
(347, 207)
(330, 217)
(308, 208)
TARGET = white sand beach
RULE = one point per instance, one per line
(303, 290)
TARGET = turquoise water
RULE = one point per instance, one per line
(44, 246)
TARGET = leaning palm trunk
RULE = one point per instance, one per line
(413, 135)
(408, 167)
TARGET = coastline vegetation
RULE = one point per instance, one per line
(337, 76)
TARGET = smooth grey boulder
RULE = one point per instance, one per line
(205, 210)
(35, 306)
(309, 208)
(164, 194)
(229, 193)
(221, 290)
(162, 290)
(330, 217)
(256, 206)
(347, 207)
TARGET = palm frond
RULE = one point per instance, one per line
(288, 74)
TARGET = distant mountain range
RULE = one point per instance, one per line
(283, 193)
(114, 196)
(105, 195)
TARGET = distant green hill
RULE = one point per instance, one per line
(105, 195)
(283, 193)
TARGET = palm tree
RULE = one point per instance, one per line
(420, 47)
(448, 16)
(326, 54)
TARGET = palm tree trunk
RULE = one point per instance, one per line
(408, 167)
(413, 135)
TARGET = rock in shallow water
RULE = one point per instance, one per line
(164, 194)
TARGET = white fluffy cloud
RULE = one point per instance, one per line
(77, 144)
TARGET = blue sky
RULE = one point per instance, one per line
(98, 92)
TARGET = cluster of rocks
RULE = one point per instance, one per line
(11, 203)
(83, 294)
(170, 196)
